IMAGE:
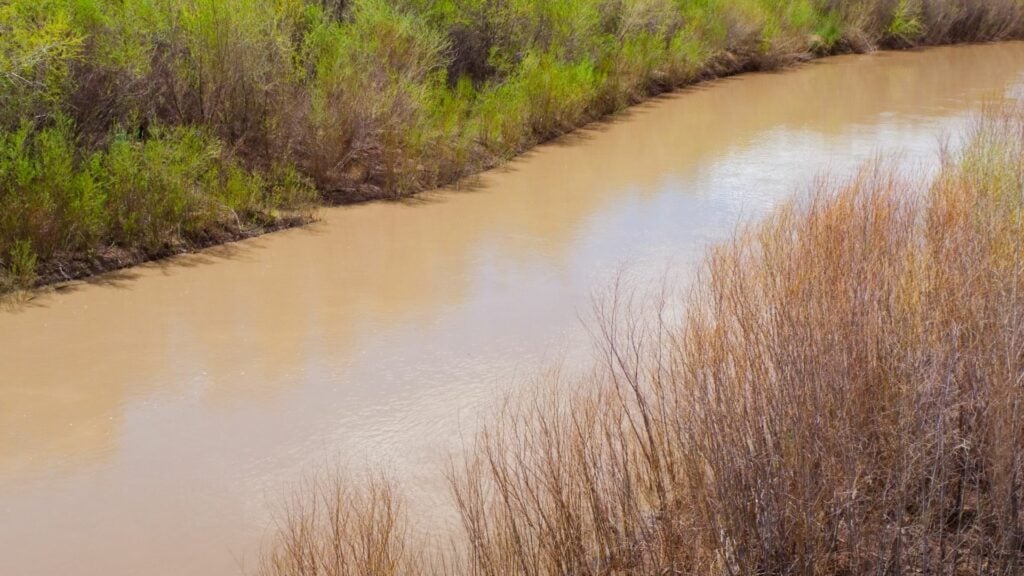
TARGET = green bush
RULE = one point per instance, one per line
(47, 197)
(22, 269)
(905, 27)
(37, 47)
(370, 89)
(147, 195)
(543, 98)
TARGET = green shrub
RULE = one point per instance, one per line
(178, 185)
(371, 82)
(828, 33)
(906, 26)
(140, 194)
(47, 197)
(37, 48)
(22, 269)
(544, 98)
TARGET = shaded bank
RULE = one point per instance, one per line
(842, 394)
(137, 129)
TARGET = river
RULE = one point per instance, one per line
(152, 419)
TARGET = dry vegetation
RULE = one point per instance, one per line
(841, 394)
(134, 128)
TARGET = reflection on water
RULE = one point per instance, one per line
(147, 421)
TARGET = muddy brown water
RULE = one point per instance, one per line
(151, 421)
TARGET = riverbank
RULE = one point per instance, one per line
(841, 394)
(385, 332)
(139, 130)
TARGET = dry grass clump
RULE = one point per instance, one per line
(337, 527)
(844, 394)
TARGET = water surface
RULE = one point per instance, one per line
(150, 421)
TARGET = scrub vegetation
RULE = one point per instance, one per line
(130, 129)
(842, 392)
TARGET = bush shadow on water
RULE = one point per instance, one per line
(124, 277)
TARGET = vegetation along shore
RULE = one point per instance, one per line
(842, 392)
(133, 129)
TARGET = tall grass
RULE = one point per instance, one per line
(357, 98)
(343, 528)
(841, 393)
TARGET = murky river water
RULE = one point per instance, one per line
(150, 421)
